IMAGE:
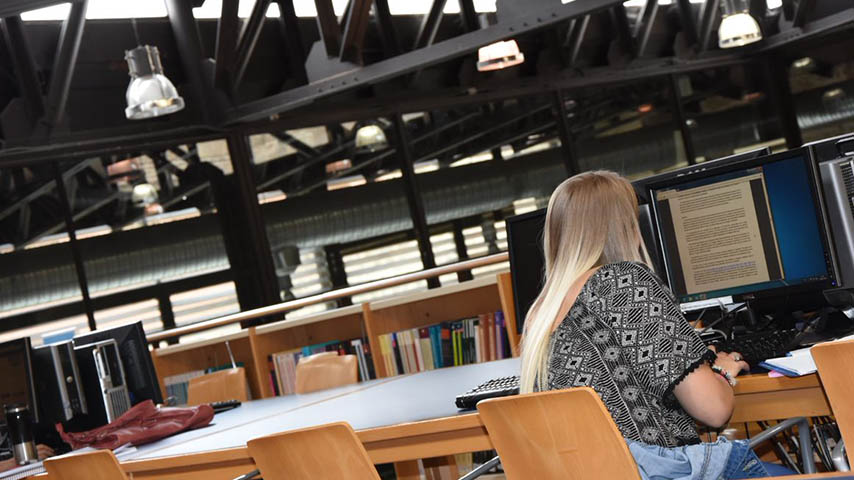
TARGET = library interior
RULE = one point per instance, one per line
(426, 239)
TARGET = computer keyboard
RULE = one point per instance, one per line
(760, 346)
(497, 387)
(224, 405)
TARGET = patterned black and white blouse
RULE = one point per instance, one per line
(627, 339)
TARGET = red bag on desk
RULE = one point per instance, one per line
(142, 424)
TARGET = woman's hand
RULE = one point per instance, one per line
(732, 362)
(44, 451)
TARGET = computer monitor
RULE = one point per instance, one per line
(641, 184)
(527, 263)
(133, 349)
(16, 368)
(751, 229)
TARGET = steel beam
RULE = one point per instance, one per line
(75, 217)
(64, 63)
(567, 143)
(45, 188)
(301, 147)
(415, 60)
(678, 111)
(388, 33)
(429, 25)
(248, 38)
(689, 27)
(802, 12)
(620, 21)
(413, 197)
(354, 31)
(226, 41)
(75, 248)
(25, 66)
(468, 15)
(244, 231)
(708, 21)
(643, 32)
(327, 25)
(289, 25)
(462, 251)
(577, 38)
(776, 76)
(190, 49)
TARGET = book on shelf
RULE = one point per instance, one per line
(177, 385)
(459, 342)
(282, 365)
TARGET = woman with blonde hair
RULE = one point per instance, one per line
(604, 320)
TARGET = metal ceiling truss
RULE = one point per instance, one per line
(254, 116)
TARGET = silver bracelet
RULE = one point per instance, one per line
(727, 376)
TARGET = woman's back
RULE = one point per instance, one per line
(626, 338)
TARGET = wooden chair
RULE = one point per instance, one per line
(835, 362)
(327, 451)
(326, 370)
(229, 384)
(97, 465)
(557, 435)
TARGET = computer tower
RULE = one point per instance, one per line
(837, 178)
(58, 383)
(104, 383)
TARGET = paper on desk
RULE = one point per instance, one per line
(797, 363)
(37, 468)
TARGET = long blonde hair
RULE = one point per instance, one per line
(592, 220)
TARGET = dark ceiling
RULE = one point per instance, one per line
(273, 75)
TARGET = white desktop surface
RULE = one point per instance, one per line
(377, 403)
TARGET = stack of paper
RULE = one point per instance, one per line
(797, 363)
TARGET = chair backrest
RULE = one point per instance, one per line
(327, 451)
(557, 435)
(326, 370)
(835, 362)
(229, 384)
(98, 465)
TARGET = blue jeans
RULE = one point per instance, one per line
(724, 459)
(743, 463)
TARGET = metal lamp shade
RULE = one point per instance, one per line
(150, 93)
(737, 30)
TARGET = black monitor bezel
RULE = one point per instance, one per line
(520, 321)
(640, 184)
(818, 201)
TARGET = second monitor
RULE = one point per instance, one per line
(749, 229)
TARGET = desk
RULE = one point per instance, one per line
(399, 418)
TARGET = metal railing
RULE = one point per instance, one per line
(327, 296)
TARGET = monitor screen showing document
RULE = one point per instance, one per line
(744, 230)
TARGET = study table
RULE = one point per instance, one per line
(402, 418)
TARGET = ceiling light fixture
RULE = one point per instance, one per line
(738, 28)
(371, 137)
(499, 55)
(150, 93)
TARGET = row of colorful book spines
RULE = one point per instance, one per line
(451, 344)
(280, 383)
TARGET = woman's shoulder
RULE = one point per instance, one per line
(624, 267)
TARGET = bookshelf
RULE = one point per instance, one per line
(369, 320)
(340, 324)
(421, 309)
(182, 358)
